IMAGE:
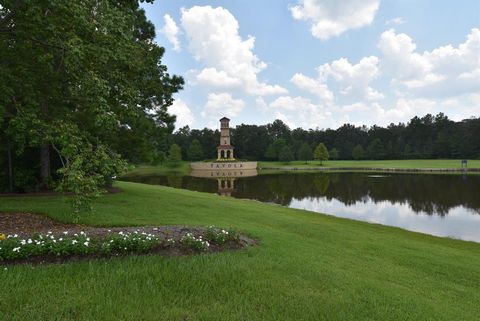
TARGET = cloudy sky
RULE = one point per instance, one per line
(321, 63)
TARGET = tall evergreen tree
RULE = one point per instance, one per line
(195, 151)
(305, 153)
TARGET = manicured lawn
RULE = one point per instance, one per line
(183, 168)
(307, 267)
(407, 163)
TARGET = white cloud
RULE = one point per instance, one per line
(330, 18)
(300, 111)
(395, 21)
(171, 31)
(215, 78)
(183, 113)
(353, 80)
(445, 79)
(316, 87)
(223, 104)
(443, 72)
(229, 60)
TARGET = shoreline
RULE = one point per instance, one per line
(374, 169)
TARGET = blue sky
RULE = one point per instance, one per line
(321, 63)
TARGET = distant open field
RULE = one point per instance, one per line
(403, 164)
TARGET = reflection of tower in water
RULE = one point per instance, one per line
(225, 177)
(226, 185)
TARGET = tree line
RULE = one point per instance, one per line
(83, 92)
(420, 138)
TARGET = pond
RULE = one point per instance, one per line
(442, 205)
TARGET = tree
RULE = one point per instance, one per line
(159, 158)
(305, 153)
(195, 151)
(358, 152)
(175, 154)
(334, 153)
(88, 79)
(321, 153)
(271, 153)
(286, 155)
(376, 150)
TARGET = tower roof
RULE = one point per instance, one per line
(224, 118)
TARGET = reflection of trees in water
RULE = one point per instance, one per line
(433, 194)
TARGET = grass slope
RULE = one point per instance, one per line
(307, 267)
(403, 164)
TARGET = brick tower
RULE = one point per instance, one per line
(225, 149)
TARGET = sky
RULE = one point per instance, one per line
(320, 63)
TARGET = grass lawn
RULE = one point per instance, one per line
(307, 267)
(184, 167)
(407, 163)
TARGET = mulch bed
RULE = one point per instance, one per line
(108, 190)
(27, 224)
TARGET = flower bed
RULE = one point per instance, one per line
(101, 242)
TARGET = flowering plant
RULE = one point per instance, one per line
(129, 242)
(220, 236)
(190, 241)
(15, 247)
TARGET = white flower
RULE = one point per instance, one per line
(65, 233)
(74, 241)
(82, 233)
(86, 243)
(29, 241)
(17, 249)
(23, 242)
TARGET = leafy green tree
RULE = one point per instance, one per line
(305, 153)
(271, 153)
(358, 152)
(195, 151)
(175, 154)
(159, 158)
(286, 155)
(334, 154)
(80, 81)
(376, 150)
(321, 153)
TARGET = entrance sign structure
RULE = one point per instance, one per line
(226, 168)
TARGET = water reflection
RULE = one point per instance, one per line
(225, 178)
(443, 205)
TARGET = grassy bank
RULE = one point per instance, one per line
(307, 267)
(183, 168)
(400, 164)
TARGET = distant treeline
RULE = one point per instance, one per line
(426, 137)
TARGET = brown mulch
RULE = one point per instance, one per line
(109, 190)
(27, 224)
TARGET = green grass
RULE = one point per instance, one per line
(307, 267)
(402, 164)
(183, 168)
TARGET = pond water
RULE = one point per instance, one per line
(442, 205)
